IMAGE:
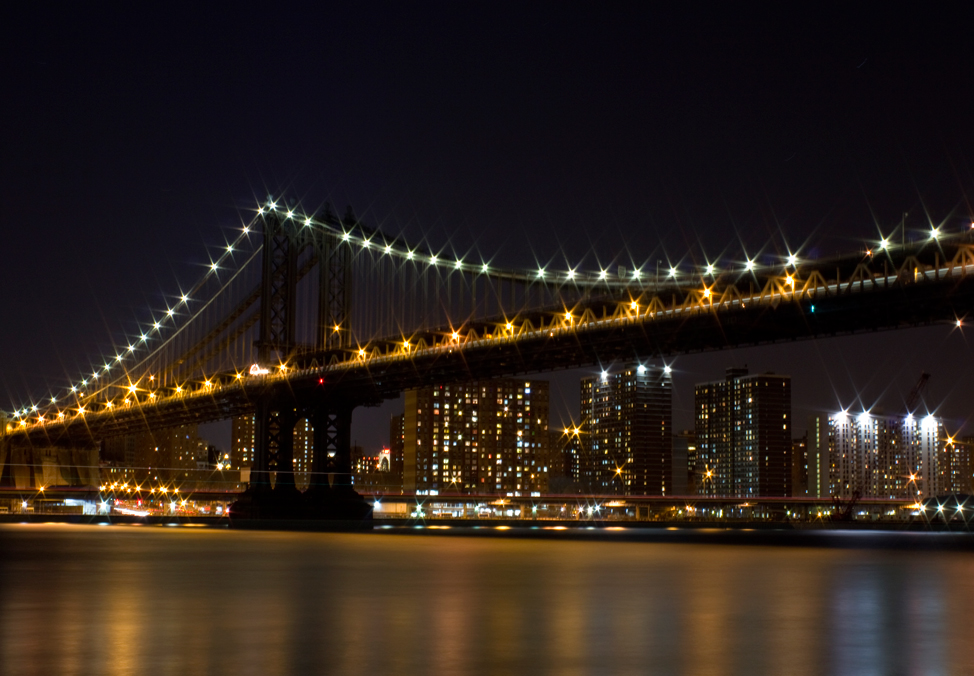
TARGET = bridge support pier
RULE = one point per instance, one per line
(330, 494)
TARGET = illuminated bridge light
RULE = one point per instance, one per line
(749, 266)
(792, 260)
(571, 274)
(540, 273)
(935, 233)
(433, 260)
(673, 272)
(706, 293)
(710, 269)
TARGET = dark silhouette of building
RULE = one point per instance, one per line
(684, 463)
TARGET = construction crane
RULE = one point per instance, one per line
(911, 401)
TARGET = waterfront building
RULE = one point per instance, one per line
(817, 465)
(889, 457)
(626, 436)
(743, 429)
(488, 436)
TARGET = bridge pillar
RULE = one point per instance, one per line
(331, 495)
(273, 446)
(332, 463)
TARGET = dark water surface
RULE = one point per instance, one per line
(183, 601)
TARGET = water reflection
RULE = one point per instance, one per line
(84, 600)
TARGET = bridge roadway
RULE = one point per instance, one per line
(922, 284)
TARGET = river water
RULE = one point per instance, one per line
(181, 601)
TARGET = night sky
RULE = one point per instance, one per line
(134, 141)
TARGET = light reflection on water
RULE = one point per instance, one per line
(88, 600)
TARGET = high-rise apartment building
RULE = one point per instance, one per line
(743, 427)
(488, 436)
(888, 457)
(817, 466)
(626, 436)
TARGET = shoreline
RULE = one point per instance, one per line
(957, 536)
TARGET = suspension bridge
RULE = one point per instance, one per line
(313, 315)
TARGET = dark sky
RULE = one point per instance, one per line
(133, 139)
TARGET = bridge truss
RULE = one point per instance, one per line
(323, 314)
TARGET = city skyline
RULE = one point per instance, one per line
(717, 143)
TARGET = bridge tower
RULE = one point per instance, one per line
(334, 284)
(279, 409)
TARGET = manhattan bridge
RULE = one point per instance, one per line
(309, 316)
